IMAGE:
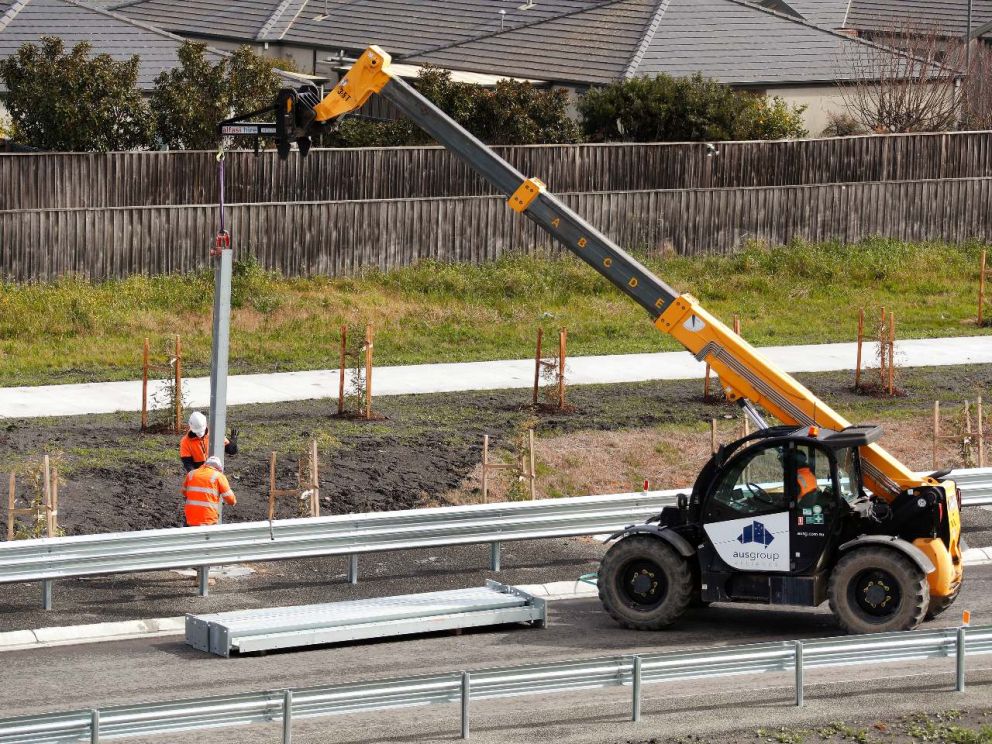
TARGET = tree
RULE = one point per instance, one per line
(513, 112)
(73, 101)
(977, 89)
(906, 85)
(693, 109)
(189, 100)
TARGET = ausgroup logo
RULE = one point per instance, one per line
(756, 533)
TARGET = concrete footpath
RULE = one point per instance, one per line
(109, 397)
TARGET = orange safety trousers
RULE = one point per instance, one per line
(203, 490)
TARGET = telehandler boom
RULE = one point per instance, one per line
(795, 514)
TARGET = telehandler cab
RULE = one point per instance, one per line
(797, 514)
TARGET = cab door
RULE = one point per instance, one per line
(811, 474)
(747, 515)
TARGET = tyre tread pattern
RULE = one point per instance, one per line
(681, 586)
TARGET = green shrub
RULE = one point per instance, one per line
(692, 109)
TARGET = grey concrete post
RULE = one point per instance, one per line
(800, 675)
(960, 649)
(220, 342)
(466, 700)
(636, 712)
(287, 717)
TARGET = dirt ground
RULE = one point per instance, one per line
(427, 448)
(949, 727)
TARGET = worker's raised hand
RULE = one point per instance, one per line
(234, 436)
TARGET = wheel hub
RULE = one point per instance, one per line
(643, 583)
(878, 594)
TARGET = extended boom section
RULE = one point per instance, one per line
(921, 511)
(744, 373)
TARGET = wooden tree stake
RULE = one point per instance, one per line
(892, 354)
(532, 473)
(179, 385)
(883, 349)
(11, 511)
(368, 371)
(936, 431)
(982, 273)
(343, 363)
(537, 364)
(488, 466)
(485, 468)
(314, 480)
(272, 486)
(980, 432)
(562, 338)
(144, 388)
(861, 339)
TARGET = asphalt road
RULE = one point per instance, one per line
(105, 674)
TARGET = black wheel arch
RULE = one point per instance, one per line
(895, 543)
(673, 538)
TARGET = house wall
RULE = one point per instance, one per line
(820, 100)
(307, 59)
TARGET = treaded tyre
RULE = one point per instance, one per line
(644, 583)
(939, 604)
(877, 590)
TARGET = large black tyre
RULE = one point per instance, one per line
(877, 590)
(644, 583)
(939, 604)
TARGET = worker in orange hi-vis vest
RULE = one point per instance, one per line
(203, 490)
(194, 447)
(805, 477)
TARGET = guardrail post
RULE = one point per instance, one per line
(495, 556)
(94, 726)
(287, 717)
(203, 573)
(353, 568)
(466, 699)
(636, 707)
(46, 594)
(799, 674)
(960, 648)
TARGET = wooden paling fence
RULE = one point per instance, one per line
(120, 179)
(342, 238)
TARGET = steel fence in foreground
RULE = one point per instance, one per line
(461, 688)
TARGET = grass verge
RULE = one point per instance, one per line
(72, 330)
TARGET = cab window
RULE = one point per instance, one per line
(848, 476)
(753, 484)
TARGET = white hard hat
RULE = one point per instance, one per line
(215, 463)
(197, 423)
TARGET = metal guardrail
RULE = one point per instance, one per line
(47, 559)
(632, 671)
(975, 485)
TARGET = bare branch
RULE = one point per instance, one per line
(907, 85)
